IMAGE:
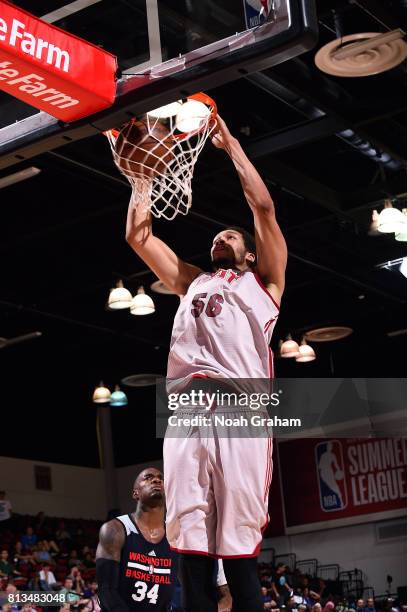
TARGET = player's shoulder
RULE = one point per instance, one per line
(112, 531)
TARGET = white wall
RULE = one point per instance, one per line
(351, 547)
(77, 492)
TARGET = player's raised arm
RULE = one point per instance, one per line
(270, 244)
(175, 273)
(111, 541)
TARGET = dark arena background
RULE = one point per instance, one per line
(332, 150)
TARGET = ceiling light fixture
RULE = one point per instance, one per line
(289, 348)
(101, 394)
(307, 353)
(119, 297)
(17, 177)
(118, 398)
(390, 218)
(401, 232)
(142, 304)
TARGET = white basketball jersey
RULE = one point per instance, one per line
(223, 328)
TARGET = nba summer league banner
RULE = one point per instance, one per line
(283, 408)
(341, 481)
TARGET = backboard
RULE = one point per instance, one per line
(166, 49)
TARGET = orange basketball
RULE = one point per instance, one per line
(144, 151)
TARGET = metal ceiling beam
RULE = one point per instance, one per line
(328, 97)
(301, 183)
(296, 136)
(369, 196)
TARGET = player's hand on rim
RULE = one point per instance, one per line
(222, 138)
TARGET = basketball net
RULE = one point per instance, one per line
(161, 179)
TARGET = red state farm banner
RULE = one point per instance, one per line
(337, 482)
(52, 70)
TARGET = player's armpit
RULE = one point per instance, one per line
(111, 541)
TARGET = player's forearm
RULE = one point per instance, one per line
(254, 188)
(138, 226)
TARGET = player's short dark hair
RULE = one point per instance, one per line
(248, 239)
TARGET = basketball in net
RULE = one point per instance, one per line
(158, 153)
(143, 151)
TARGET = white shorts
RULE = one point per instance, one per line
(217, 493)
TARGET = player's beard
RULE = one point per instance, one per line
(223, 263)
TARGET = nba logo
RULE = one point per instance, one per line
(257, 11)
(331, 476)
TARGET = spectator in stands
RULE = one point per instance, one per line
(77, 580)
(279, 585)
(90, 594)
(51, 546)
(29, 539)
(370, 605)
(316, 607)
(24, 561)
(6, 569)
(360, 605)
(291, 604)
(47, 578)
(5, 510)
(73, 559)
(268, 602)
(62, 534)
(28, 608)
(329, 606)
(42, 554)
(68, 588)
(89, 561)
(307, 598)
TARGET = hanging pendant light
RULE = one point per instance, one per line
(119, 297)
(390, 218)
(118, 397)
(101, 394)
(401, 232)
(307, 353)
(142, 304)
(289, 348)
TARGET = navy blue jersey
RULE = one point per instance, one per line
(147, 571)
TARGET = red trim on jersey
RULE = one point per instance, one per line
(267, 325)
(258, 279)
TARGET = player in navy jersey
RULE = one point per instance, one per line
(134, 564)
(217, 488)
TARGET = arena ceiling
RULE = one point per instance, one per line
(63, 243)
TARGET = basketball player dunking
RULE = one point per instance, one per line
(217, 489)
